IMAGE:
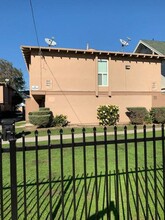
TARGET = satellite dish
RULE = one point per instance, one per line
(50, 42)
(125, 42)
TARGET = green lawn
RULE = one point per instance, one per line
(29, 131)
(91, 183)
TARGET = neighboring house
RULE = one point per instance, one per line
(9, 98)
(75, 82)
(150, 47)
(153, 47)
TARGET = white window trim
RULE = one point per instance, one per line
(103, 73)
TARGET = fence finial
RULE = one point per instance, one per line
(49, 132)
(72, 130)
(36, 132)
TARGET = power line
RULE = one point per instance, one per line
(41, 55)
(62, 91)
(34, 23)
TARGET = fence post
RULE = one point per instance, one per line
(13, 178)
(1, 179)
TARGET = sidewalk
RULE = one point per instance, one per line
(68, 136)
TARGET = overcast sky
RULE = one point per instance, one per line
(74, 23)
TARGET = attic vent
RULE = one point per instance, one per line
(154, 86)
(127, 67)
(48, 82)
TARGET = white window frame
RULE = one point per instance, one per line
(103, 73)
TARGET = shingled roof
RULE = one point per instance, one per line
(155, 47)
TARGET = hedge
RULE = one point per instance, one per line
(41, 118)
(40, 112)
(158, 114)
(138, 115)
(40, 121)
(44, 109)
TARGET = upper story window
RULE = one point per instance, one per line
(103, 72)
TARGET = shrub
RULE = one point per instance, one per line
(44, 109)
(41, 118)
(158, 115)
(40, 112)
(138, 115)
(60, 120)
(108, 115)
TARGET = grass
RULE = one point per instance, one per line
(21, 126)
(43, 178)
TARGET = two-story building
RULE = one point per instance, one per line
(9, 98)
(75, 82)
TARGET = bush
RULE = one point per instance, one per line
(44, 109)
(138, 115)
(108, 115)
(60, 120)
(40, 112)
(41, 118)
(158, 115)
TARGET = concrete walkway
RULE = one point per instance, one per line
(68, 136)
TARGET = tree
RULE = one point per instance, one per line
(15, 76)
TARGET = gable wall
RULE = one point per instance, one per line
(69, 84)
(71, 73)
(141, 76)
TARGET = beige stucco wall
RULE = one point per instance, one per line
(69, 83)
(80, 74)
(158, 100)
(82, 109)
(31, 105)
(142, 76)
(64, 73)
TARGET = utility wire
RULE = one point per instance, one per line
(34, 23)
(62, 91)
(41, 55)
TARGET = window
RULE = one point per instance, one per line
(103, 72)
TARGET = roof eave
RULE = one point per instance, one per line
(26, 51)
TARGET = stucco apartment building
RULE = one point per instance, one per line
(6, 94)
(9, 98)
(76, 82)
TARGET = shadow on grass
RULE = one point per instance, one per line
(103, 212)
(69, 198)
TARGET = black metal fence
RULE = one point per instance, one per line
(118, 175)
